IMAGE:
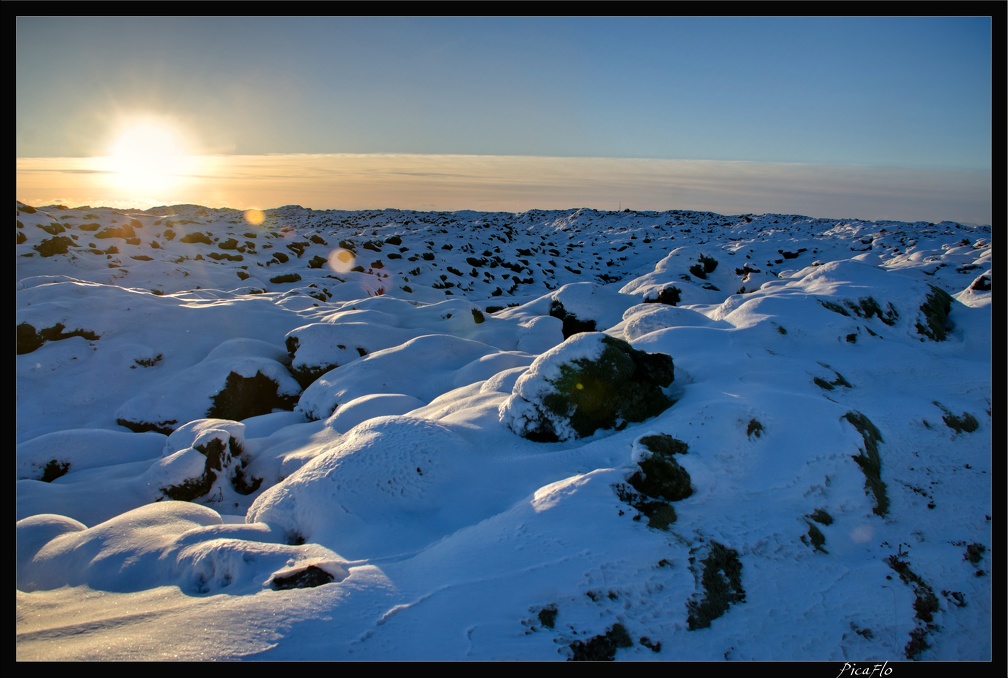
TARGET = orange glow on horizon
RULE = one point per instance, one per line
(518, 184)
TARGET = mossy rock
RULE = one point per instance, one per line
(981, 284)
(966, 422)
(660, 514)
(222, 462)
(164, 427)
(197, 237)
(221, 256)
(664, 444)
(55, 228)
(245, 397)
(660, 476)
(721, 580)
(622, 385)
(869, 460)
(936, 308)
(124, 231)
(658, 481)
(821, 516)
(305, 375)
(29, 339)
(816, 538)
(571, 324)
(309, 577)
(58, 244)
(54, 469)
(602, 647)
(670, 296)
(547, 616)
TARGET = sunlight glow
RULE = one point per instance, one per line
(149, 157)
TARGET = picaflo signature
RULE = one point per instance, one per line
(864, 670)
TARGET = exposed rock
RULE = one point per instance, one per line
(592, 381)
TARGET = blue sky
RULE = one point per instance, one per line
(901, 92)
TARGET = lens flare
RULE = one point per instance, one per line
(255, 217)
(341, 260)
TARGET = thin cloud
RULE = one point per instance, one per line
(520, 183)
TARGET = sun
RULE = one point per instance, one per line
(149, 157)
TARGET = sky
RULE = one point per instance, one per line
(324, 436)
(877, 97)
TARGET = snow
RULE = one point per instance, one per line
(395, 473)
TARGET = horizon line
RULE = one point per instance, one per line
(496, 183)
